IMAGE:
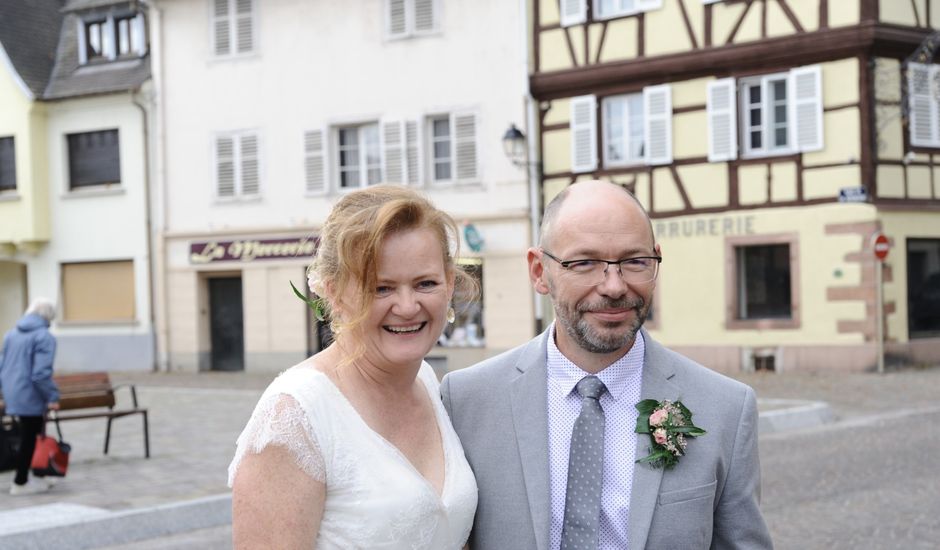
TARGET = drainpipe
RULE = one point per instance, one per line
(533, 162)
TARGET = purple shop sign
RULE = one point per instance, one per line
(250, 250)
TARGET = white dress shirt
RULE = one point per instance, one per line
(623, 379)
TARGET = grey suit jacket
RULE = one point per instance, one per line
(499, 409)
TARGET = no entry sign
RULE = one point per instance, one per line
(880, 246)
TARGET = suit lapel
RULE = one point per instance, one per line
(530, 420)
(657, 372)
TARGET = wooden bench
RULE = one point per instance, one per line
(93, 390)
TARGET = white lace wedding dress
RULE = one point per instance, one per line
(374, 496)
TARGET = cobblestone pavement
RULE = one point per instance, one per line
(866, 481)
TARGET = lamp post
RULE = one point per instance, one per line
(518, 150)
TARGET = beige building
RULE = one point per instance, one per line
(770, 141)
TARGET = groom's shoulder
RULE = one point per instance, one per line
(704, 378)
(498, 365)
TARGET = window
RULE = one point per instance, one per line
(623, 130)
(237, 165)
(7, 164)
(763, 281)
(605, 9)
(111, 38)
(98, 291)
(452, 148)
(923, 288)
(467, 329)
(636, 129)
(779, 114)
(411, 17)
(232, 27)
(359, 156)
(923, 96)
(94, 159)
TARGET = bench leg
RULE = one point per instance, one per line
(107, 435)
(146, 436)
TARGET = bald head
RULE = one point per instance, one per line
(594, 201)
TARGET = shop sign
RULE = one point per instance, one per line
(719, 226)
(853, 194)
(250, 250)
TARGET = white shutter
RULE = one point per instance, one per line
(244, 27)
(221, 33)
(805, 85)
(922, 104)
(82, 43)
(139, 35)
(583, 126)
(314, 162)
(424, 15)
(108, 47)
(225, 166)
(657, 124)
(394, 169)
(465, 145)
(249, 162)
(722, 123)
(413, 152)
(397, 21)
(573, 12)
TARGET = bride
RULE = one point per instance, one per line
(352, 448)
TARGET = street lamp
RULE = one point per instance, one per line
(516, 147)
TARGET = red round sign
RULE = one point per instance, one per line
(881, 246)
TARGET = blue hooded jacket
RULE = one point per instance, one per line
(26, 367)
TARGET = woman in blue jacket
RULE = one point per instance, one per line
(27, 386)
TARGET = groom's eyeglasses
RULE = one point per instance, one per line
(591, 272)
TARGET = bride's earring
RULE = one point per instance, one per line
(451, 315)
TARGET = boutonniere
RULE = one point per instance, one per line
(669, 425)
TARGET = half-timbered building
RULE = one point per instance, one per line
(769, 141)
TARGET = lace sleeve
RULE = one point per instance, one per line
(280, 420)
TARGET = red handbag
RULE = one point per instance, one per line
(51, 457)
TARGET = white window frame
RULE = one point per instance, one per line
(625, 7)
(231, 19)
(110, 46)
(409, 26)
(924, 105)
(626, 120)
(239, 158)
(804, 113)
(432, 149)
(362, 154)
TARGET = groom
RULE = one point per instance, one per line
(548, 427)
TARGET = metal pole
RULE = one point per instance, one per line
(879, 316)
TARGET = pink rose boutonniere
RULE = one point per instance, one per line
(669, 425)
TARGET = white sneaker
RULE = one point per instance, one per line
(31, 487)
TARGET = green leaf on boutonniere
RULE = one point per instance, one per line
(669, 425)
(315, 304)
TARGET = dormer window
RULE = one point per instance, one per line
(112, 37)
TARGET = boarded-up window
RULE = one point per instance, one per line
(7, 164)
(98, 291)
(94, 158)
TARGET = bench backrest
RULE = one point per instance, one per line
(84, 390)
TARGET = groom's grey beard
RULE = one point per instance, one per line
(590, 339)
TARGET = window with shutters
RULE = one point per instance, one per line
(452, 148)
(358, 156)
(233, 27)
(923, 97)
(237, 165)
(111, 37)
(94, 159)
(636, 129)
(405, 18)
(779, 113)
(7, 164)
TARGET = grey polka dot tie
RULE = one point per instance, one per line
(585, 470)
